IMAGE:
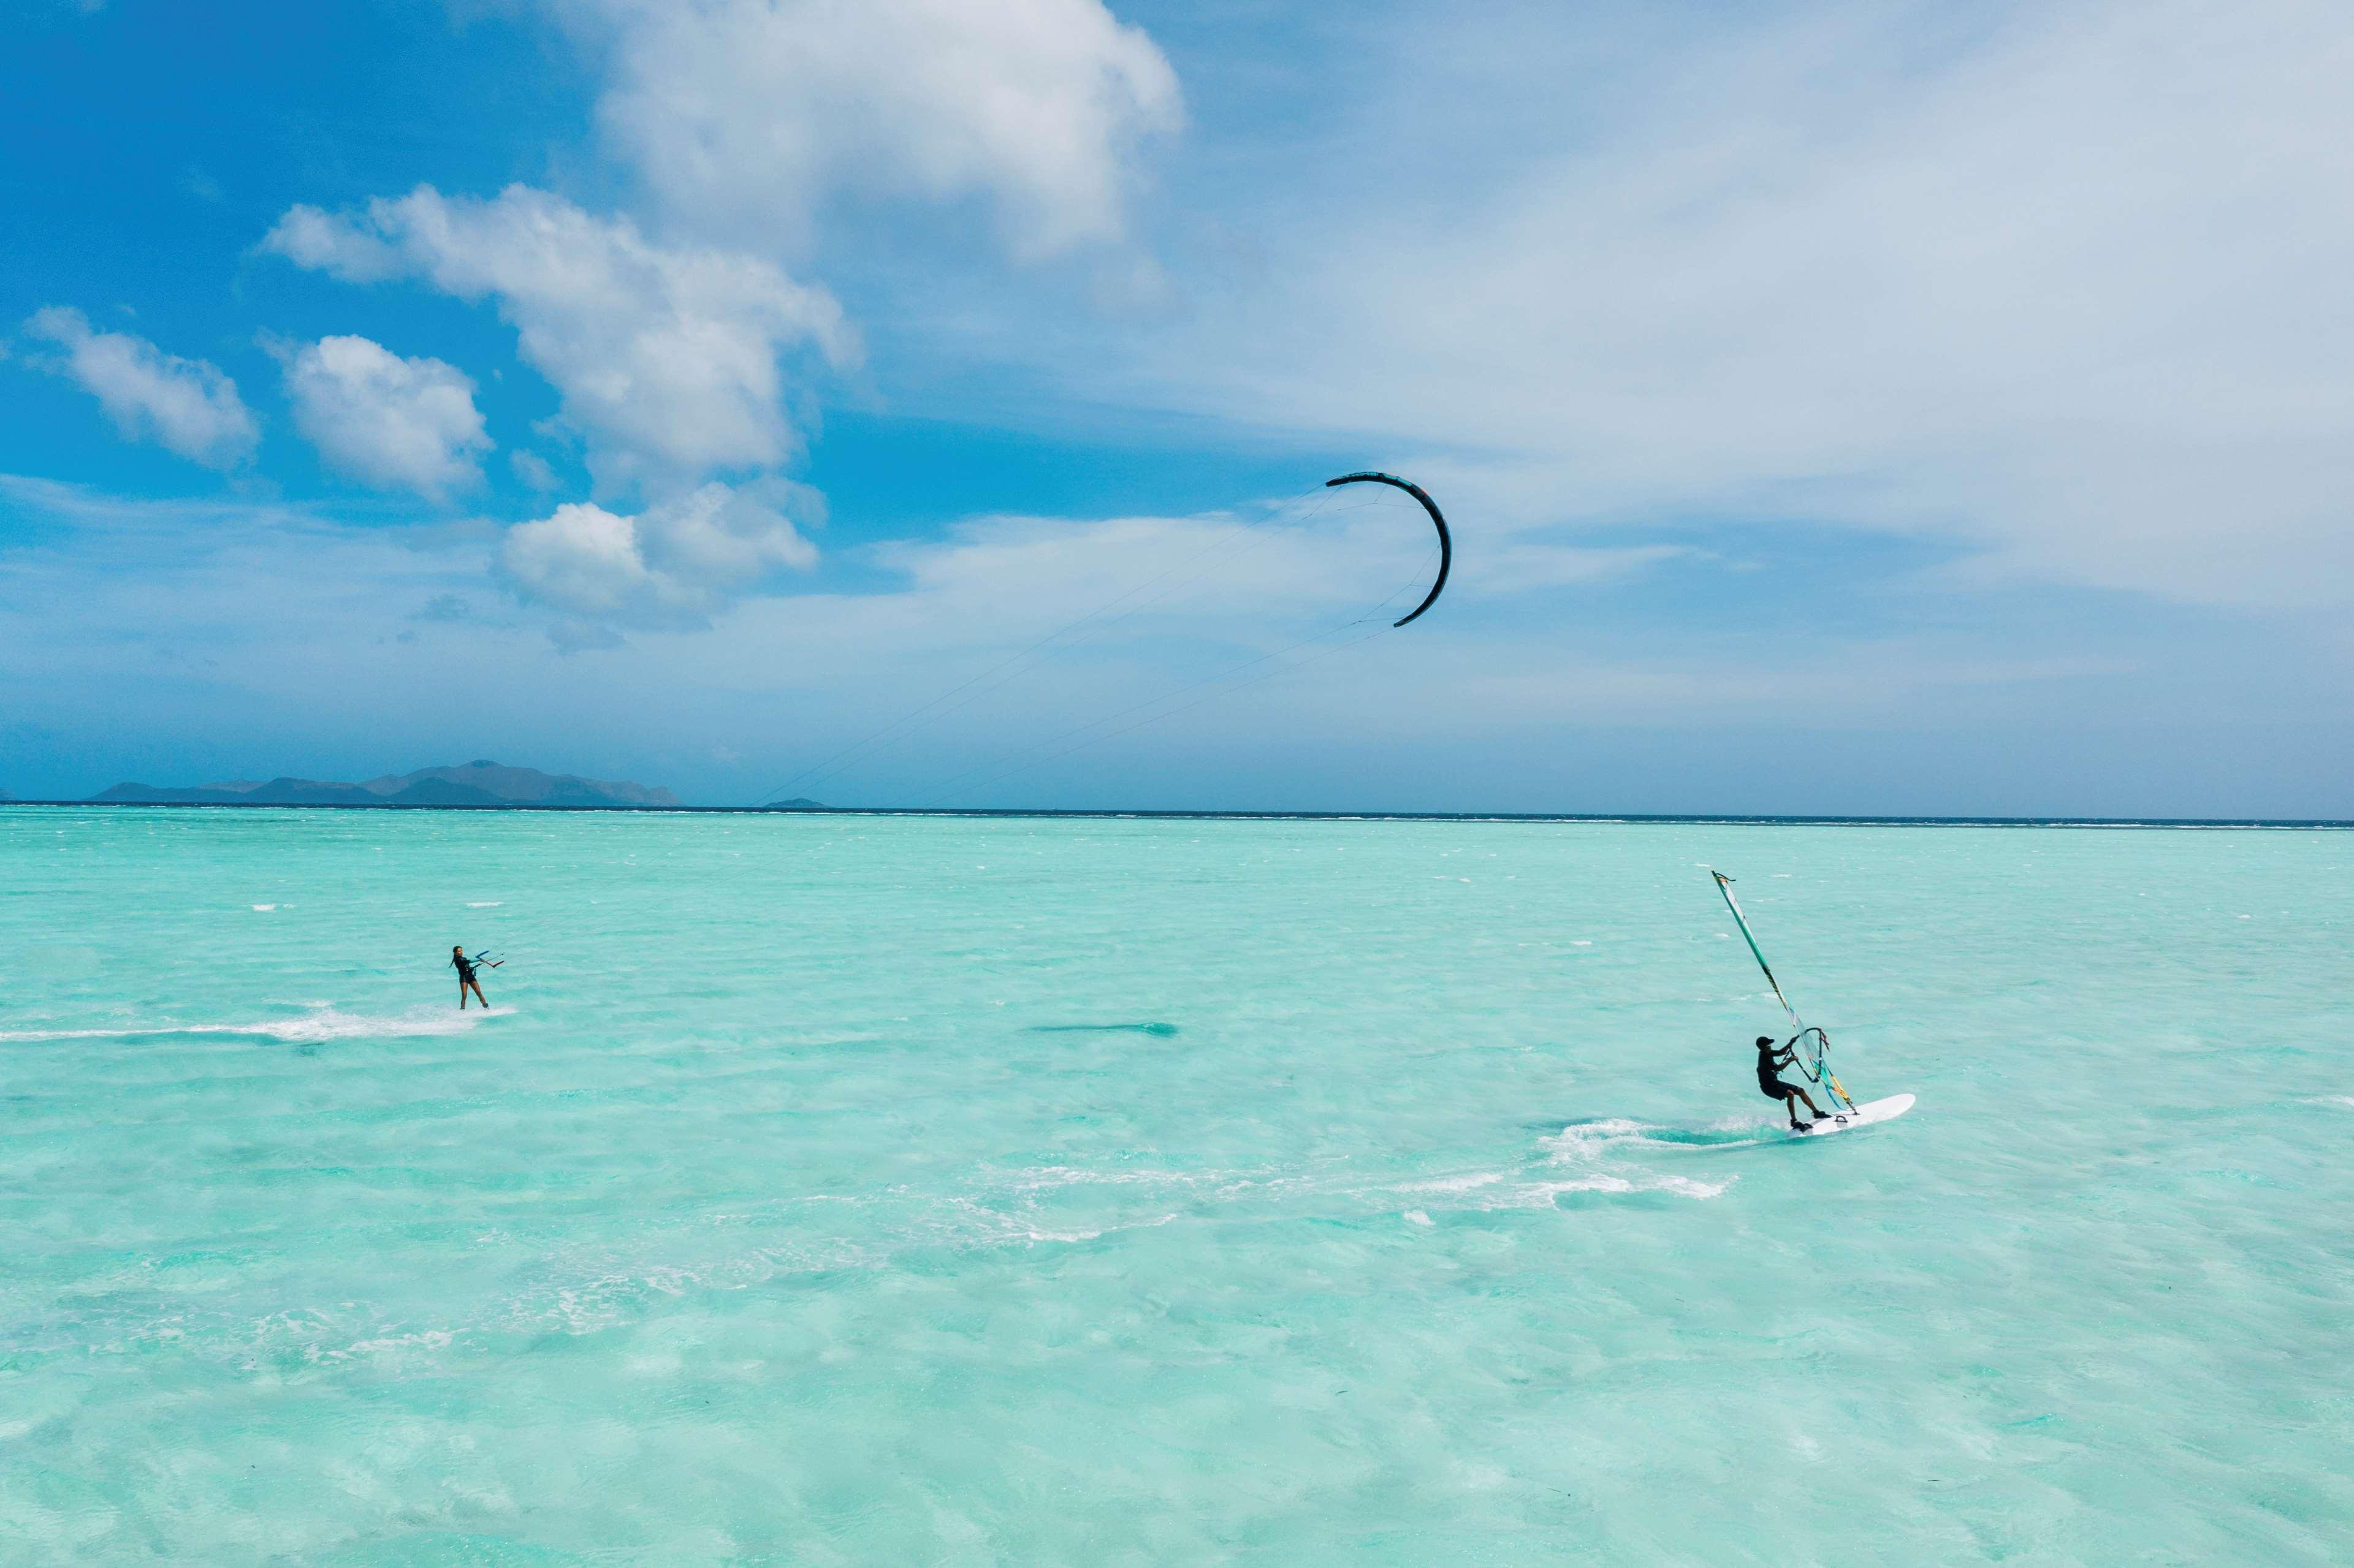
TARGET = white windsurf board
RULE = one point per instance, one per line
(1863, 1115)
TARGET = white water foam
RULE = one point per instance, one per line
(1495, 1190)
(1591, 1139)
(1588, 1138)
(324, 1025)
(1036, 1178)
(1589, 1143)
(1586, 1145)
(1471, 1182)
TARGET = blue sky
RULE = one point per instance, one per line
(1879, 409)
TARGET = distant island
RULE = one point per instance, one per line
(481, 783)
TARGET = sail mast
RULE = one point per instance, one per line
(1724, 885)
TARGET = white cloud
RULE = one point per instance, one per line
(2063, 283)
(583, 558)
(1511, 567)
(184, 405)
(535, 470)
(745, 115)
(1224, 572)
(395, 423)
(138, 628)
(346, 246)
(667, 359)
(671, 564)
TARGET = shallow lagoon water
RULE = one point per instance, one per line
(840, 1190)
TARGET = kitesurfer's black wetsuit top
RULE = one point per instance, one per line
(465, 967)
(1769, 1070)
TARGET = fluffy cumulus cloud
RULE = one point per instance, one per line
(744, 115)
(183, 405)
(668, 360)
(682, 364)
(672, 564)
(388, 421)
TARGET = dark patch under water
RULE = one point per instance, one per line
(1160, 1031)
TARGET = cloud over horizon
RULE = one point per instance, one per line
(1256, 663)
(672, 564)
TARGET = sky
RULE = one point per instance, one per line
(1887, 409)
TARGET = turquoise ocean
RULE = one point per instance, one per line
(853, 1190)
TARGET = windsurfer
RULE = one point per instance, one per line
(1771, 1059)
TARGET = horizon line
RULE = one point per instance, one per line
(1158, 813)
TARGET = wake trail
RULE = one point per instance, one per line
(325, 1024)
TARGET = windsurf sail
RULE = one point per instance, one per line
(1812, 1046)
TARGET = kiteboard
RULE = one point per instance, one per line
(1863, 1115)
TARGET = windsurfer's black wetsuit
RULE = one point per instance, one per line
(1771, 1059)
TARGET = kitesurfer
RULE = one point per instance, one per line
(1771, 1059)
(466, 981)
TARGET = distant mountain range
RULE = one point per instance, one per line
(473, 784)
